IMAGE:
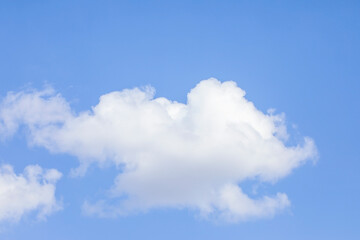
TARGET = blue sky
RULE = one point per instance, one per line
(300, 58)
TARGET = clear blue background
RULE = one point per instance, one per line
(300, 57)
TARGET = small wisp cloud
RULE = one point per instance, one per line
(34, 190)
(170, 154)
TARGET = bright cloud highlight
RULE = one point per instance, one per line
(170, 154)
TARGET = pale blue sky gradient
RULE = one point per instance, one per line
(300, 57)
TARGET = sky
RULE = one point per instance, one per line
(179, 120)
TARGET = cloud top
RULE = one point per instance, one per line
(170, 154)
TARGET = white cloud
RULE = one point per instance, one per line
(170, 154)
(34, 190)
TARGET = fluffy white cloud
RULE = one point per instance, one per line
(170, 154)
(34, 190)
